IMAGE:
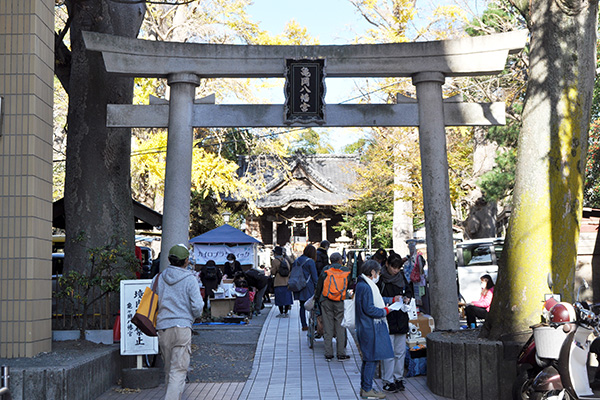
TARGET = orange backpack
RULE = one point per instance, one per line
(336, 283)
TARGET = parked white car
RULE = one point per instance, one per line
(475, 258)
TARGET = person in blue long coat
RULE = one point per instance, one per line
(307, 261)
(371, 327)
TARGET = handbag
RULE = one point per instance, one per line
(349, 314)
(310, 303)
(145, 316)
(415, 274)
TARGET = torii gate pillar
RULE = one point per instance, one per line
(436, 195)
(178, 174)
(462, 57)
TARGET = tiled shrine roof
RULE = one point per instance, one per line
(309, 180)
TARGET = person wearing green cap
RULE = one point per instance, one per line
(179, 304)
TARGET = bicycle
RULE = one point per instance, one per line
(312, 328)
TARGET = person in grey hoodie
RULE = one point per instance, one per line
(179, 304)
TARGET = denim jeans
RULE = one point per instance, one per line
(302, 314)
(367, 372)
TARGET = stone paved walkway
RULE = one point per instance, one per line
(286, 368)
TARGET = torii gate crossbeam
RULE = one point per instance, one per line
(427, 63)
(338, 115)
(473, 56)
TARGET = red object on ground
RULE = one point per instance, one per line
(139, 256)
(117, 328)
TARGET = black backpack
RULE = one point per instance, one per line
(210, 272)
(284, 268)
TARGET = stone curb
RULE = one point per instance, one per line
(83, 380)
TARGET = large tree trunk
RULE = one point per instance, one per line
(547, 202)
(481, 222)
(98, 206)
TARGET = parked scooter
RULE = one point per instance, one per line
(529, 362)
(563, 345)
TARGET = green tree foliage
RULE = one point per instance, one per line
(385, 152)
(548, 194)
(499, 16)
(389, 151)
(215, 150)
(500, 181)
(229, 143)
(357, 147)
(309, 141)
(108, 266)
(497, 185)
(591, 193)
(204, 214)
(375, 192)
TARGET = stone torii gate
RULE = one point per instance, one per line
(427, 63)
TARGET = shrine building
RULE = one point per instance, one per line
(299, 203)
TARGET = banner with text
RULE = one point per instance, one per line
(218, 253)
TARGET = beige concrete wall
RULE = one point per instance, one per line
(26, 85)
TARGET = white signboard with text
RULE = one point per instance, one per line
(134, 342)
(244, 253)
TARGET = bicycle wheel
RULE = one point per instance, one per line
(150, 360)
(312, 324)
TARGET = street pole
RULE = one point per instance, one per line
(369, 215)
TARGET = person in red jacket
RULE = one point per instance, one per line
(481, 307)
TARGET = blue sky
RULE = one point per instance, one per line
(332, 22)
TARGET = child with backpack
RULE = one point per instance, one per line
(280, 269)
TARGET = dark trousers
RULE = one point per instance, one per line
(258, 299)
(303, 314)
(473, 312)
(284, 309)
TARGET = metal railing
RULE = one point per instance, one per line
(4, 381)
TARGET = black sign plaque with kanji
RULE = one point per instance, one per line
(304, 91)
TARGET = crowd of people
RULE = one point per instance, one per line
(381, 287)
(381, 327)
